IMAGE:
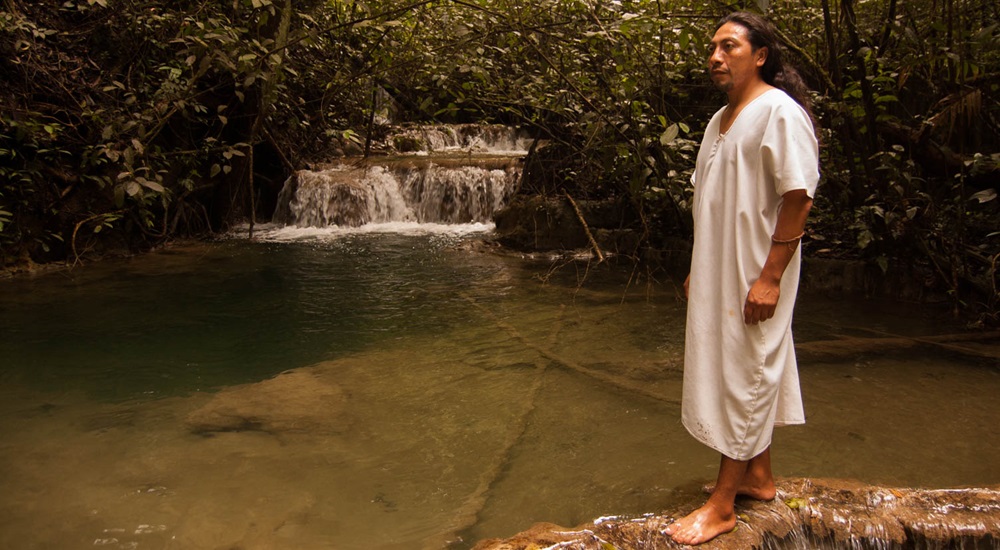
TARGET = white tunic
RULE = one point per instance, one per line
(742, 380)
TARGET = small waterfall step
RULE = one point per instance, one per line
(475, 138)
(445, 174)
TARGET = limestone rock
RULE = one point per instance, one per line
(296, 401)
(807, 514)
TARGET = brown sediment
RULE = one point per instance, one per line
(808, 513)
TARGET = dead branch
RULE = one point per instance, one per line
(586, 228)
(79, 224)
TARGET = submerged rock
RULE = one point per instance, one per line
(296, 401)
(807, 514)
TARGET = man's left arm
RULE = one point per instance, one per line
(762, 299)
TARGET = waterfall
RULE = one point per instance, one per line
(491, 138)
(445, 175)
(349, 196)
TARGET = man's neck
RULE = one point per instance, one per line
(746, 94)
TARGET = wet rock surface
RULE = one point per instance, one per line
(807, 513)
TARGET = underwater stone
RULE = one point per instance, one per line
(296, 401)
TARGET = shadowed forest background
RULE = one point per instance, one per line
(126, 123)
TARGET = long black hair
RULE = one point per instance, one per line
(776, 71)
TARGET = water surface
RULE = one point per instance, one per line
(482, 392)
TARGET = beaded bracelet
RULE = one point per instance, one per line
(789, 242)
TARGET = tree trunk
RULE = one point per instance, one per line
(267, 95)
(865, 140)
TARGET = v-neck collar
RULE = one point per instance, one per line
(739, 114)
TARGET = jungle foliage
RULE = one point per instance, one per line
(124, 123)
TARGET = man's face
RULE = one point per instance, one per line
(732, 63)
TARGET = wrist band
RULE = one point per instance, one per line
(788, 242)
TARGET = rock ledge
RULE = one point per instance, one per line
(808, 513)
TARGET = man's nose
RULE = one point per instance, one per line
(714, 56)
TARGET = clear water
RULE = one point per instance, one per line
(481, 393)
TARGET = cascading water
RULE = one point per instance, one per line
(445, 175)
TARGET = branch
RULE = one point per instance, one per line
(827, 81)
(586, 228)
(79, 224)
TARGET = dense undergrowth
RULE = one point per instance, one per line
(125, 123)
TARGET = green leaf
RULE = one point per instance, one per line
(796, 502)
(984, 196)
(883, 263)
(152, 185)
(669, 135)
(864, 239)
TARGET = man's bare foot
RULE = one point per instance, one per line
(702, 525)
(759, 492)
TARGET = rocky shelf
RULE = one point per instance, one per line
(807, 514)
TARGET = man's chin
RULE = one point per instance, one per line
(724, 86)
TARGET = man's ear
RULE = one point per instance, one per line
(761, 56)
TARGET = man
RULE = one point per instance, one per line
(756, 173)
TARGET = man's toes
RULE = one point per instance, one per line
(685, 537)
